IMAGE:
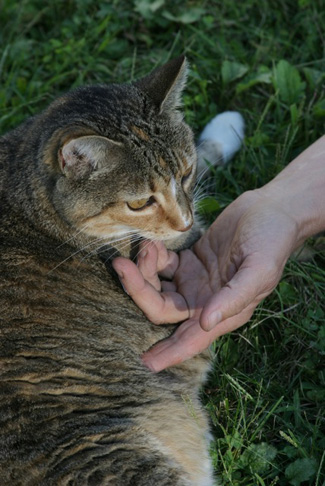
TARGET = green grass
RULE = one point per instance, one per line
(265, 59)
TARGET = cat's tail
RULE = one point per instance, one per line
(220, 139)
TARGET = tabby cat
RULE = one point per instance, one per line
(77, 406)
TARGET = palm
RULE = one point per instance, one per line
(196, 279)
(218, 284)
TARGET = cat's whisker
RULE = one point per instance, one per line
(80, 250)
(72, 255)
(126, 236)
(199, 198)
(196, 192)
(202, 174)
(102, 248)
(202, 181)
(145, 233)
(202, 191)
(203, 184)
(129, 237)
(93, 252)
(121, 248)
(81, 230)
(147, 243)
(107, 240)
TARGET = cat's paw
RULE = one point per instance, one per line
(220, 139)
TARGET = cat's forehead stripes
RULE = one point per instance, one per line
(162, 162)
(140, 133)
(177, 166)
(153, 185)
(186, 163)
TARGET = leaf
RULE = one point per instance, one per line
(294, 113)
(305, 3)
(146, 8)
(313, 76)
(234, 440)
(258, 457)
(287, 292)
(263, 75)
(319, 109)
(208, 205)
(301, 470)
(288, 83)
(188, 17)
(257, 140)
(229, 354)
(232, 70)
(316, 395)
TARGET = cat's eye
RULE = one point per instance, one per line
(139, 204)
(187, 175)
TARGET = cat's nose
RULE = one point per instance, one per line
(186, 228)
(186, 224)
(181, 221)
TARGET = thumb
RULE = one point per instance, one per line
(250, 285)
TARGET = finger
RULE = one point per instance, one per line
(250, 285)
(160, 308)
(189, 340)
(147, 264)
(168, 286)
(168, 261)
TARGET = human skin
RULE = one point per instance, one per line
(215, 286)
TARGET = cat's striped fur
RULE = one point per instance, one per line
(77, 406)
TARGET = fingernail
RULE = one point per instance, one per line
(213, 319)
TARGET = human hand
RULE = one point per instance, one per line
(217, 285)
(163, 302)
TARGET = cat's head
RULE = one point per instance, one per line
(121, 158)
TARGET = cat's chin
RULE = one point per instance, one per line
(130, 248)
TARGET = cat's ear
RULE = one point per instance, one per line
(166, 83)
(79, 157)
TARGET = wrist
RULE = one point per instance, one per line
(299, 191)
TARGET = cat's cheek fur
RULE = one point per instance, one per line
(71, 209)
(154, 225)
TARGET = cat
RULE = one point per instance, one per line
(101, 167)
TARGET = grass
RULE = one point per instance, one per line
(266, 396)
